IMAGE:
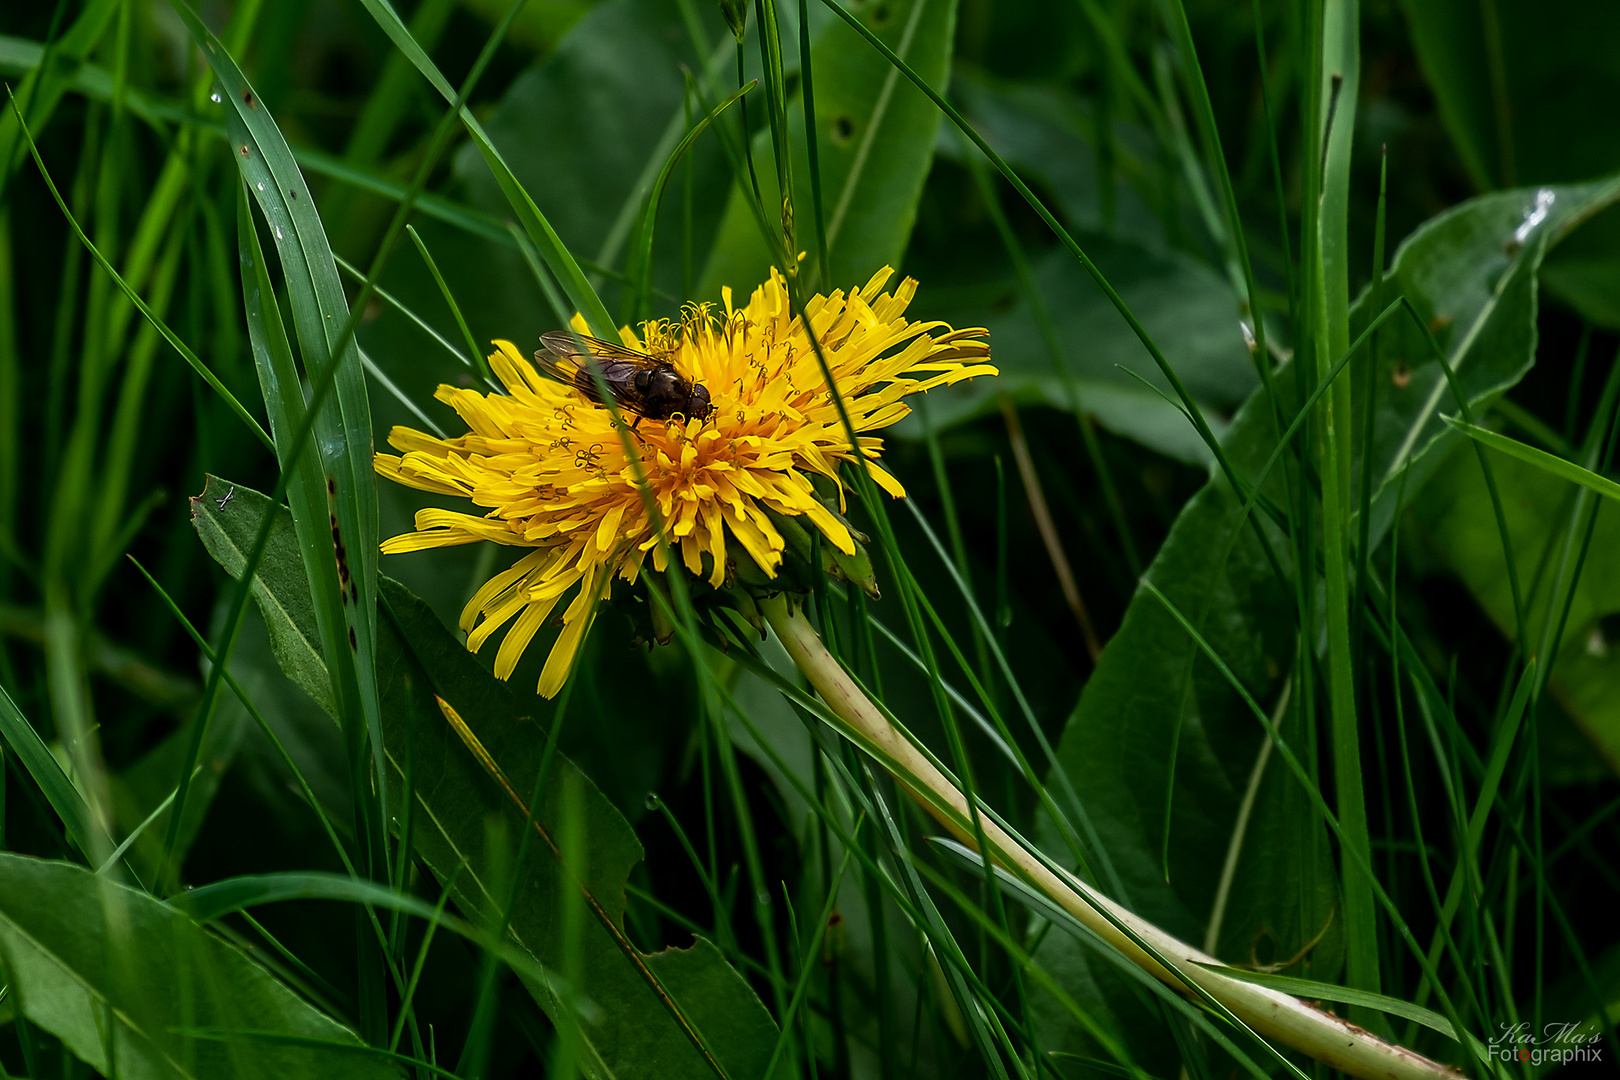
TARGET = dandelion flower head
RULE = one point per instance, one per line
(552, 469)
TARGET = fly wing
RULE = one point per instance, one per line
(564, 343)
(562, 359)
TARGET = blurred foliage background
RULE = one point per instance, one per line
(1050, 490)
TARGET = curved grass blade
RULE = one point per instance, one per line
(1312, 989)
(539, 230)
(168, 335)
(332, 1046)
(278, 376)
(640, 269)
(346, 591)
(115, 973)
(1557, 466)
(55, 70)
(24, 741)
(217, 899)
(474, 353)
(342, 434)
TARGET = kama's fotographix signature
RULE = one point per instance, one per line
(1555, 1043)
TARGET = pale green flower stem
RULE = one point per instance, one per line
(1278, 1016)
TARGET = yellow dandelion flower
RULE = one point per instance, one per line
(552, 469)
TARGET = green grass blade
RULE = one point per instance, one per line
(35, 757)
(279, 380)
(416, 320)
(474, 352)
(1312, 990)
(1369, 411)
(129, 415)
(1329, 299)
(206, 903)
(135, 834)
(1058, 230)
(42, 89)
(1319, 804)
(1557, 466)
(812, 136)
(534, 223)
(168, 335)
(320, 311)
(11, 371)
(640, 268)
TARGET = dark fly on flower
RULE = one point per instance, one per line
(645, 385)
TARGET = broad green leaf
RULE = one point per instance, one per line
(587, 131)
(1048, 133)
(1527, 101)
(279, 586)
(551, 247)
(1585, 271)
(1189, 309)
(875, 140)
(456, 800)
(1471, 272)
(1547, 120)
(119, 977)
(1455, 524)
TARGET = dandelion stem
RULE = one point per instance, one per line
(1279, 1016)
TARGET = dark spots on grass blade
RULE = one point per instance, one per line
(243, 150)
(346, 584)
(248, 99)
(353, 644)
(842, 130)
(331, 486)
